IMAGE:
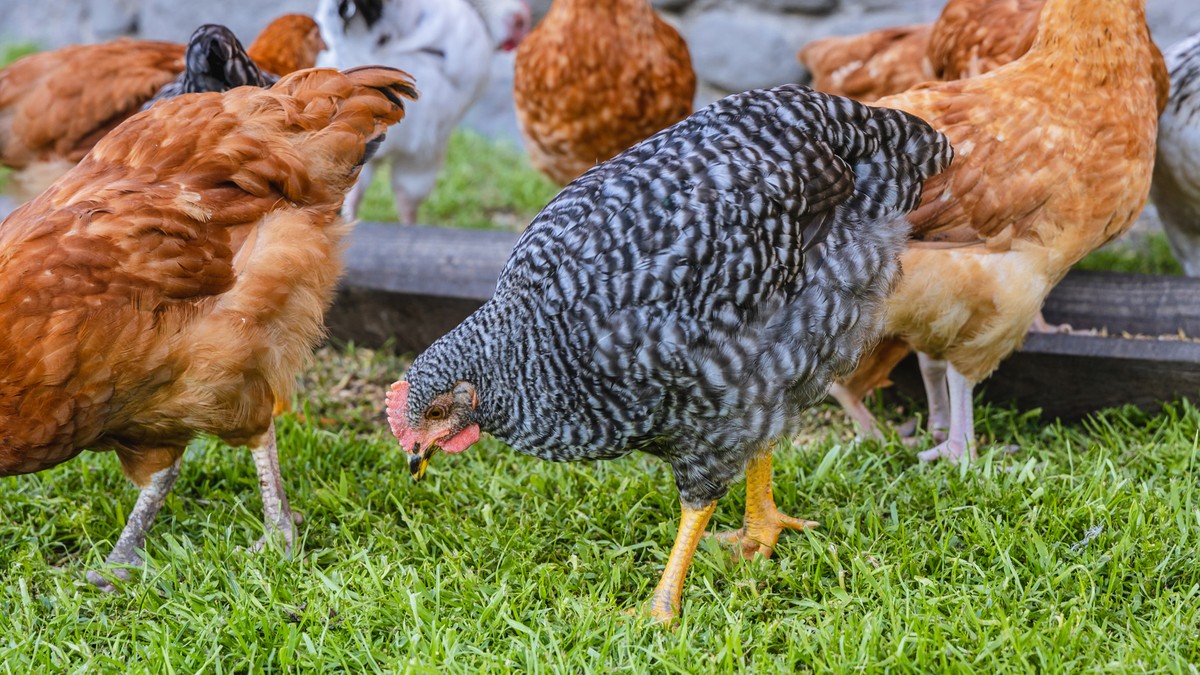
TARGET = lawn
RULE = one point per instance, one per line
(1078, 553)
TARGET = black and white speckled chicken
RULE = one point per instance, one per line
(215, 61)
(1176, 186)
(688, 298)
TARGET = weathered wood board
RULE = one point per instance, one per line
(411, 285)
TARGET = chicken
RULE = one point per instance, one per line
(1054, 155)
(289, 43)
(871, 65)
(596, 77)
(1176, 185)
(688, 298)
(447, 45)
(215, 61)
(54, 106)
(973, 37)
(175, 280)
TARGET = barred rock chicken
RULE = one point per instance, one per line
(1176, 186)
(871, 65)
(596, 77)
(289, 43)
(448, 46)
(215, 61)
(688, 298)
(55, 105)
(175, 280)
(1054, 155)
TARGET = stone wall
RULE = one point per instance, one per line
(736, 44)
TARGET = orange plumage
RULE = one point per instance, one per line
(289, 43)
(1053, 160)
(55, 105)
(596, 77)
(871, 65)
(176, 279)
(969, 38)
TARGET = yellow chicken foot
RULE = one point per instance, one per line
(763, 522)
(664, 604)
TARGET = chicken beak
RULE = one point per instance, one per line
(418, 460)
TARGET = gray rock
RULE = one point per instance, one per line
(743, 49)
(671, 5)
(494, 114)
(173, 20)
(797, 6)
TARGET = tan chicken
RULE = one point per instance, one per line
(596, 77)
(55, 105)
(289, 43)
(871, 65)
(175, 280)
(1053, 159)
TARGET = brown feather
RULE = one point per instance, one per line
(175, 280)
(595, 78)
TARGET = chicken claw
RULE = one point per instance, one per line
(763, 521)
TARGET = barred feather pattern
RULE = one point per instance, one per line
(690, 297)
(1176, 185)
(215, 61)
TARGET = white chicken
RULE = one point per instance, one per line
(447, 45)
(1176, 186)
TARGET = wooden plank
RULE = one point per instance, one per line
(411, 285)
(1136, 303)
(1071, 376)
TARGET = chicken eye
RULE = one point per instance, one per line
(436, 413)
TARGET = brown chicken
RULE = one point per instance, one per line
(289, 43)
(871, 65)
(973, 37)
(54, 106)
(594, 78)
(175, 280)
(1053, 159)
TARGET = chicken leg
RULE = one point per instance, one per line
(664, 604)
(277, 513)
(961, 438)
(153, 494)
(933, 374)
(763, 522)
(864, 422)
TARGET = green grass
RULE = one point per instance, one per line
(8, 54)
(1077, 554)
(485, 184)
(1152, 256)
(498, 562)
(14, 51)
